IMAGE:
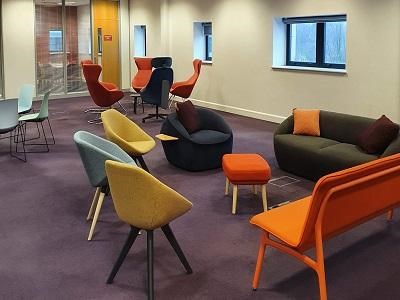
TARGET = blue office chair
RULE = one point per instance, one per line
(157, 91)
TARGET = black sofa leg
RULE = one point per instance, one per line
(174, 243)
(124, 252)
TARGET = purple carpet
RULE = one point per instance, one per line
(43, 230)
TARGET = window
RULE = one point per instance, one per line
(318, 42)
(55, 41)
(139, 35)
(202, 41)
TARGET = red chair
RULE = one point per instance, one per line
(104, 94)
(184, 89)
(141, 78)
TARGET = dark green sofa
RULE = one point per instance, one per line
(313, 157)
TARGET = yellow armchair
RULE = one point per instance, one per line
(128, 135)
(144, 203)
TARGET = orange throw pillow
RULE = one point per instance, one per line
(306, 121)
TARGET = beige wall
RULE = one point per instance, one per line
(18, 45)
(144, 12)
(241, 80)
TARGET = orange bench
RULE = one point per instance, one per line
(339, 202)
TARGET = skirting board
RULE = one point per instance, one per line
(239, 111)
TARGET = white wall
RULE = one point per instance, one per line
(18, 45)
(241, 79)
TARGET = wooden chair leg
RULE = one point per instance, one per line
(254, 189)
(227, 186)
(124, 252)
(389, 215)
(94, 202)
(234, 200)
(96, 215)
(260, 260)
(264, 196)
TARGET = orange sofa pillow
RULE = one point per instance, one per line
(306, 121)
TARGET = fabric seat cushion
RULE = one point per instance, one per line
(208, 137)
(303, 142)
(343, 156)
(246, 168)
(140, 147)
(286, 222)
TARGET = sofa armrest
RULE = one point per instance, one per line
(286, 127)
(393, 148)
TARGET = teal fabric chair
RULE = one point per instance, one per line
(94, 151)
(39, 117)
(25, 98)
(9, 124)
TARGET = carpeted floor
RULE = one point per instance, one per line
(43, 231)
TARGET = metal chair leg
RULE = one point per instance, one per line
(174, 243)
(142, 163)
(124, 252)
(150, 265)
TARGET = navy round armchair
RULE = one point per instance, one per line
(201, 150)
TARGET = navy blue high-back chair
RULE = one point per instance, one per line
(157, 91)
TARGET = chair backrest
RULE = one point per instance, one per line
(86, 62)
(94, 151)
(143, 74)
(154, 92)
(8, 115)
(44, 106)
(140, 199)
(184, 89)
(161, 62)
(100, 95)
(347, 198)
(25, 97)
(121, 130)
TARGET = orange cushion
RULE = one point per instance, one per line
(306, 121)
(246, 168)
(286, 222)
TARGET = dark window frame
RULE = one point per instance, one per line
(207, 44)
(320, 40)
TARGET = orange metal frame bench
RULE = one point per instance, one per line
(339, 202)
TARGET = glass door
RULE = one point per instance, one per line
(62, 40)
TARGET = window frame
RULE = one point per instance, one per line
(320, 40)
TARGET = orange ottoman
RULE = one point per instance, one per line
(246, 169)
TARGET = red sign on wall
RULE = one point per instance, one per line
(107, 37)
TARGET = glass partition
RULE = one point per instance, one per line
(62, 40)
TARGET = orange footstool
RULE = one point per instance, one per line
(246, 169)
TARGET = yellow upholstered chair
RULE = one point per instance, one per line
(126, 134)
(145, 204)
